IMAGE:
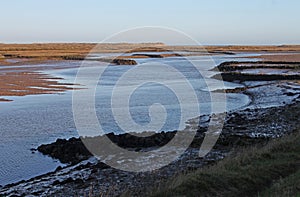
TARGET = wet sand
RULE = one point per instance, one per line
(14, 83)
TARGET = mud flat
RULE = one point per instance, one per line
(29, 83)
(19, 80)
(258, 71)
(240, 131)
(236, 66)
(253, 125)
(273, 112)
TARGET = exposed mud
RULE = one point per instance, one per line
(242, 128)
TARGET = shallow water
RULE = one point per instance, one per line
(30, 121)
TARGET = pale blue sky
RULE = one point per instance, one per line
(208, 21)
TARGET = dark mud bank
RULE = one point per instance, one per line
(234, 66)
(235, 76)
(243, 128)
(243, 71)
(73, 150)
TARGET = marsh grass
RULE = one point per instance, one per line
(258, 171)
(289, 186)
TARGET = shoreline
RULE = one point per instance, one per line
(243, 135)
(67, 179)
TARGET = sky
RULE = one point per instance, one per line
(211, 22)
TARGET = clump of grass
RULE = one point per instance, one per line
(250, 172)
(289, 186)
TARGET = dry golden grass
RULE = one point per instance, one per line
(295, 57)
(62, 50)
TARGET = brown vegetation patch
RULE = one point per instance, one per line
(282, 57)
(29, 83)
(65, 50)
